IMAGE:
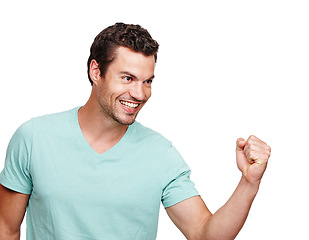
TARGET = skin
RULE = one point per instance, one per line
(12, 210)
(194, 219)
(104, 120)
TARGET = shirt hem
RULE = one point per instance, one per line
(9, 185)
(179, 199)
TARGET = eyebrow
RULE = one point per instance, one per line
(133, 76)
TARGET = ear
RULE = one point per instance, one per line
(94, 71)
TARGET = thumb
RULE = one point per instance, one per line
(241, 158)
(240, 144)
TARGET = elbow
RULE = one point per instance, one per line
(14, 236)
(202, 231)
(9, 234)
(210, 230)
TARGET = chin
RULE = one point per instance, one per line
(125, 121)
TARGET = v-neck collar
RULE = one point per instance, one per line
(86, 145)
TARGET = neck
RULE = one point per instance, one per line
(100, 132)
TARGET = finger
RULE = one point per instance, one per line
(256, 157)
(256, 141)
(255, 154)
(258, 149)
(255, 144)
(240, 144)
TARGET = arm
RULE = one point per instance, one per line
(194, 219)
(12, 210)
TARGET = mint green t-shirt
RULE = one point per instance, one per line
(78, 194)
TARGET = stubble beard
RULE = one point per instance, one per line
(110, 112)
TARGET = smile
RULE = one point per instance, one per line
(129, 104)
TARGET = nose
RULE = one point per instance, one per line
(139, 92)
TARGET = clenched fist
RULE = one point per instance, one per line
(252, 157)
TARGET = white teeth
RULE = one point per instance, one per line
(129, 104)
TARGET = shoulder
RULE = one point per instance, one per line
(147, 134)
(23, 134)
(54, 118)
(43, 124)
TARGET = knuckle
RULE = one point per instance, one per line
(252, 154)
(257, 154)
(251, 146)
(266, 156)
(252, 137)
(249, 142)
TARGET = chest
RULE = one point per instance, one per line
(73, 179)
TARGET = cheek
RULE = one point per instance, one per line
(108, 91)
(148, 93)
(102, 92)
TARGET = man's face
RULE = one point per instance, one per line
(126, 86)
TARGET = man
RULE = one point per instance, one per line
(93, 172)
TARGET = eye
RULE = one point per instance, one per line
(127, 78)
(149, 82)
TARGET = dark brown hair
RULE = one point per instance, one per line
(131, 36)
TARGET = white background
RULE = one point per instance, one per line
(226, 69)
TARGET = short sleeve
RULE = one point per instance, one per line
(177, 185)
(16, 173)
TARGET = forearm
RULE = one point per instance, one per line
(229, 219)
